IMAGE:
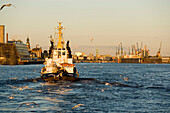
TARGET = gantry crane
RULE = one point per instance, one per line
(159, 51)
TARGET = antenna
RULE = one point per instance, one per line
(91, 39)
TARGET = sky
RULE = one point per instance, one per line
(108, 22)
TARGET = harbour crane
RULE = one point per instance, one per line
(159, 51)
(132, 49)
(141, 47)
(121, 49)
(129, 50)
(137, 49)
(116, 51)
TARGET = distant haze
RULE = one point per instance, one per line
(102, 50)
(108, 22)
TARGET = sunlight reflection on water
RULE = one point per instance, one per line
(146, 89)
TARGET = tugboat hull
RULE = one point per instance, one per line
(64, 78)
(59, 76)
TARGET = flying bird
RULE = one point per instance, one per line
(28, 104)
(78, 105)
(104, 89)
(11, 97)
(6, 5)
(126, 78)
(107, 84)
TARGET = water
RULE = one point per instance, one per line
(147, 89)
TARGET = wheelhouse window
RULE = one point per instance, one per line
(59, 54)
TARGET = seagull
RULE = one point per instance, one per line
(15, 78)
(6, 5)
(104, 89)
(13, 87)
(11, 97)
(107, 84)
(34, 80)
(42, 84)
(78, 105)
(126, 78)
(39, 91)
(21, 89)
(28, 104)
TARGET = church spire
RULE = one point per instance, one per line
(28, 43)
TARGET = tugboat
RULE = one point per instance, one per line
(59, 65)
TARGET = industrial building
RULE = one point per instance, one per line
(8, 54)
(22, 50)
(12, 52)
(2, 33)
(37, 52)
(137, 55)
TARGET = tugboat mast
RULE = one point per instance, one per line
(60, 43)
